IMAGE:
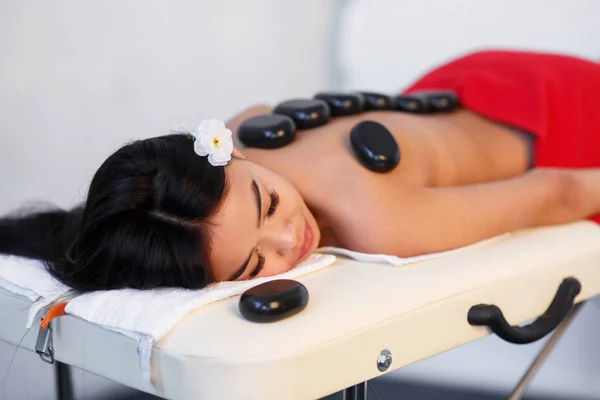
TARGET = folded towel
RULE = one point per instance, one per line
(148, 315)
(145, 315)
(398, 261)
(29, 278)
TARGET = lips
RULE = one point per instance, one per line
(307, 242)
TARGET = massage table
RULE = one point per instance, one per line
(362, 321)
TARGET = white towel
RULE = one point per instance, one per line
(398, 261)
(148, 315)
(30, 279)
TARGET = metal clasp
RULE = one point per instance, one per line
(43, 345)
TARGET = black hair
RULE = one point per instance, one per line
(145, 223)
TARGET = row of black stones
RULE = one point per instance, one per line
(372, 142)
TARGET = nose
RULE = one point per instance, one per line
(281, 239)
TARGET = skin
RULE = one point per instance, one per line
(461, 179)
(245, 234)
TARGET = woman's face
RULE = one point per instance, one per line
(264, 227)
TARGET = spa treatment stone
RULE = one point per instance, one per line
(273, 301)
(427, 101)
(411, 103)
(375, 146)
(267, 131)
(377, 101)
(440, 101)
(306, 113)
(342, 103)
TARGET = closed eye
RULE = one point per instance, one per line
(274, 203)
(272, 208)
(259, 266)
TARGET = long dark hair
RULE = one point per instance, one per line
(145, 223)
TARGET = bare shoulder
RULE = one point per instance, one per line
(374, 214)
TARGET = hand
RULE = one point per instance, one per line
(578, 189)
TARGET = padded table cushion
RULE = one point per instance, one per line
(355, 311)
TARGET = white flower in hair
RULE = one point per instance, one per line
(214, 140)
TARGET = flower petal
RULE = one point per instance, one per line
(199, 147)
(227, 146)
(204, 126)
(210, 132)
(221, 156)
(217, 162)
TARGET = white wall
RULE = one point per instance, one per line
(386, 44)
(80, 78)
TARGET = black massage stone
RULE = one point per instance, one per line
(411, 103)
(273, 300)
(342, 103)
(377, 101)
(267, 131)
(440, 101)
(306, 113)
(375, 146)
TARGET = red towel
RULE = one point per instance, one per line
(554, 97)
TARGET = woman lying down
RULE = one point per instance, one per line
(522, 151)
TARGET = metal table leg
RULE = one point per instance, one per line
(64, 385)
(356, 392)
(533, 368)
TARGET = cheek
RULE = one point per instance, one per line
(292, 198)
(275, 267)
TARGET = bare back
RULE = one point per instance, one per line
(454, 149)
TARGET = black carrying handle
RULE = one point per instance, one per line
(491, 316)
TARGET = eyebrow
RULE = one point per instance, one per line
(258, 199)
(256, 192)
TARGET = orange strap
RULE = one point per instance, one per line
(55, 311)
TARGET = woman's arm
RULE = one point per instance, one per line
(413, 220)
